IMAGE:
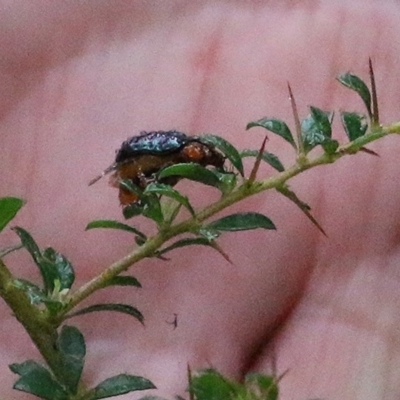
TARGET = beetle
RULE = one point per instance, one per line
(140, 158)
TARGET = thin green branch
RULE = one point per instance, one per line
(242, 192)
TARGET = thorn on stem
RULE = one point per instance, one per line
(368, 151)
(215, 246)
(257, 163)
(375, 109)
(296, 120)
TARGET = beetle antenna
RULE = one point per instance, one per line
(105, 172)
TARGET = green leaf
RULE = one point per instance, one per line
(241, 222)
(48, 276)
(71, 345)
(112, 224)
(330, 146)
(269, 158)
(354, 124)
(316, 129)
(37, 380)
(185, 242)
(123, 281)
(131, 187)
(353, 82)
(265, 385)
(122, 308)
(35, 294)
(63, 271)
(323, 119)
(152, 208)
(9, 207)
(121, 384)
(276, 126)
(166, 190)
(227, 149)
(210, 385)
(53, 266)
(227, 181)
(28, 243)
(132, 210)
(192, 171)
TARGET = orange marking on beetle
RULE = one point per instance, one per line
(194, 152)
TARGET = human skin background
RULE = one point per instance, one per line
(77, 78)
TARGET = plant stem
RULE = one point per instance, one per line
(43, 334)
(243, 191)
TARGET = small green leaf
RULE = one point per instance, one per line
(185, 242)
(354, 124)
(241, 222)
(131, 187)
(9, 207)
(276, 126)
(166, 190)
(71, 345)
(211, 385)
(28, 243)
(353, 82)
(227, 181)
(132, 210)
(123, 281)
(52, 260)
(37, 380)
(316, 129)
(121, 384)
(227, 149)
(323, 119)
(269, 158)
(112, 224)
(265, 385)
(152, 208)
(192, 171)
(330, 146)
(35, 294)
(122, 308)
(48, 276)
(53, 266)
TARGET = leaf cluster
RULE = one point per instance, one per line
(38, 380)
(58, 276)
